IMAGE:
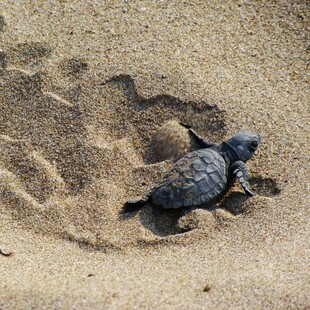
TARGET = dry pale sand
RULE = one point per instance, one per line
(84, 86)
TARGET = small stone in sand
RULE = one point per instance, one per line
(5, 254)
(207, 288)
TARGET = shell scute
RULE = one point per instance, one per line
(198, 165)
(205, 184)
(191, 196)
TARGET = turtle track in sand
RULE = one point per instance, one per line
(65, 149)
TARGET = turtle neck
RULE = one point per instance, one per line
(229, 153)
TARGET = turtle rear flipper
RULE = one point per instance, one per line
(134, 205)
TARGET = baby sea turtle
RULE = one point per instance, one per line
(204, 174)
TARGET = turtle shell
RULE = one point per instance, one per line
(195, 179)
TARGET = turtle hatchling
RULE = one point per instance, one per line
(204, 174)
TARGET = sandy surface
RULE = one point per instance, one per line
(84, 86)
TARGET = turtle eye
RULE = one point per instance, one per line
(253, 145)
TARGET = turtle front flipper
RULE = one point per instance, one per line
(239, 171)
(134, 205)
(200, 141)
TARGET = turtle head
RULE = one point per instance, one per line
(242, 145)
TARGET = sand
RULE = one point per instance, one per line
(84, 87)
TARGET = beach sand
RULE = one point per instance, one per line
(84, 87)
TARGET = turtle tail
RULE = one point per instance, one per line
(134, 205)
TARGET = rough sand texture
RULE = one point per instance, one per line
(84, 86)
